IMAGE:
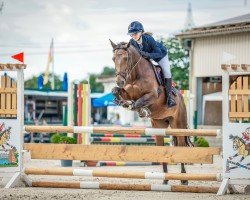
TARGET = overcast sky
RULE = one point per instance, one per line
(81, 28)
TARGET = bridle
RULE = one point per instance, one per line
(130, 67)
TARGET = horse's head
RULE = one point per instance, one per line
(123, 61)
(236, 142)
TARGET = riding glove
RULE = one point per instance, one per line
(145, 54)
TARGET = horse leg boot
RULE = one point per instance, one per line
(168, 87)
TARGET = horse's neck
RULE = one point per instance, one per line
(139, 71)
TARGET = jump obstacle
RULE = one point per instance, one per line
(166, 154)
(122, 153)
(134, 175)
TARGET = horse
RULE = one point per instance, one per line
(239, 145)
(138, 90)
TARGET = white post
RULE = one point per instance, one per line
(10, 172)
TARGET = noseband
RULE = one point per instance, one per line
(130, 67)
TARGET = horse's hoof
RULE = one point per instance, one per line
(144, 113)
(184, 182)
(115, 90)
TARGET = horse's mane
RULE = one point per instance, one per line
(123, 45)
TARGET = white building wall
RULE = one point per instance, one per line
(208, 53)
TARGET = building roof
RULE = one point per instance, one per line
(231, 25)
(45, 93)
(107, 79)
(233, 20)
(29, 92)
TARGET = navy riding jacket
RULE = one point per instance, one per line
(155, 49)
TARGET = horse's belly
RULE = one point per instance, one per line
(159, 110)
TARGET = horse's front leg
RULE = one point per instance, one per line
(144, 102)
(122, 97)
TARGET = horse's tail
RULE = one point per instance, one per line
(187, 138)
(188, 141)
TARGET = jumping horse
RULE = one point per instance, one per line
(139, 89)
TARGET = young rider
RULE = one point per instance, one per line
(151, 49)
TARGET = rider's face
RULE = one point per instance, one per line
(136, 36)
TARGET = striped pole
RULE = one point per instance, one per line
(119, 163)
(119, 186)
(126, 140)
(121, 135)
(136, 175)
(124, 130)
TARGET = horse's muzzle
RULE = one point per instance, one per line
(120, 82)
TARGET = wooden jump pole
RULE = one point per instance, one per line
(123, 130)
(117, 186)
(122, 153)
(116, 174)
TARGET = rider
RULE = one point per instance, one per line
(151, 49)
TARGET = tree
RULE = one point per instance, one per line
(108, 71)
(98, 87)
(179, 61)
(94, 86)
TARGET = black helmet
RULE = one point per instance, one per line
(135, 27)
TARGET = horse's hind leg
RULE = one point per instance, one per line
(183, 170)
(180, 122)
(160, 140)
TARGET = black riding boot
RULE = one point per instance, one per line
(168, 87)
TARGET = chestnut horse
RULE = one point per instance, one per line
(139, 90)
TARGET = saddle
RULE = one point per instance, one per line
(160, 78)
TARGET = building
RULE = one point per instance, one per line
(223, 42)
(44, 105)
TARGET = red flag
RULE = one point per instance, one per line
(18, 57)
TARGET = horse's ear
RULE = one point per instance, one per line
(112, 44)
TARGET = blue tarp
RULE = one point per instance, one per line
(106, 100)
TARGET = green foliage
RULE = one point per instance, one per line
(32, 83)
(108, 71)
(55, 138)
(67, 140)
(58, 139)
(201, 142)
(179, 61)
(98, 87)
(94, 86)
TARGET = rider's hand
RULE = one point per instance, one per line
(145, 54)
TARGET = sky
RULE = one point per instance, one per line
(82, 28)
